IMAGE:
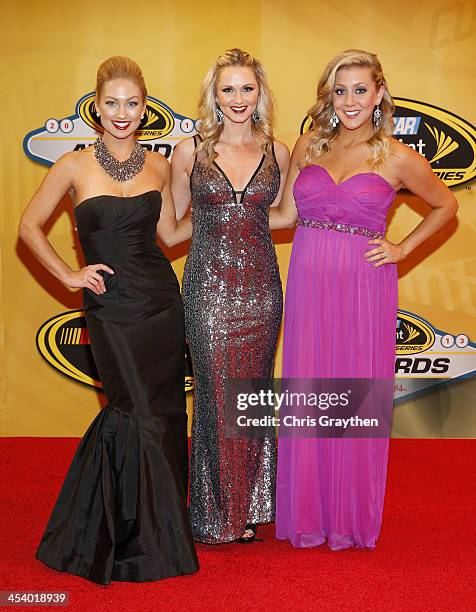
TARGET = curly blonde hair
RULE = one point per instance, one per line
(209, 129)
(322, 110)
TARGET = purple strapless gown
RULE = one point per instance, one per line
(340, 318)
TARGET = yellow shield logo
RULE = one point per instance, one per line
(158, 120)
(63, 341)
(413, 334)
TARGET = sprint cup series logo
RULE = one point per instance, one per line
(427, 357)
(447, 141)
(63, 342)
(158, 120)
(161, 130)
(414, 335)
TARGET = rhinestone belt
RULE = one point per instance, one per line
(340, 227)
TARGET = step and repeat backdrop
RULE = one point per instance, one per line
(51, 51)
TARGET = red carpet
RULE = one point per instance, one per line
(424, 560)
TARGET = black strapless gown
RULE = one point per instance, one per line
(121, 513)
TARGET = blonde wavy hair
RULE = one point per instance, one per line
(120, 67)
(322, 110)
(209, 129)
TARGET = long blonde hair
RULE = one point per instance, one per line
(209, 129)
(119, 67)
(322, 110)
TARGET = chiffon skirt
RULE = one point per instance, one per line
(340, 317)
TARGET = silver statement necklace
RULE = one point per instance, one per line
(119, 170)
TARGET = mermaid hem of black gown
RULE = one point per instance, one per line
(120, 514)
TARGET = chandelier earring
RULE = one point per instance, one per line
(377, 117)
(255, 116)
(334, 120)
(219, 115)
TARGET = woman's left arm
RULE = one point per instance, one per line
(170, 231)
(282, 157)
(415, 174)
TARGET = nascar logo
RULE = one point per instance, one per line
(413, 334)
(63, 341)
(159, 120)
(447, 141)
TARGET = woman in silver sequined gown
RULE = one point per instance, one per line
(233, 305)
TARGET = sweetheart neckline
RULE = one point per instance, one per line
(111, 195)
(351, 177)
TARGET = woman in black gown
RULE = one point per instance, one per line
(121, 513)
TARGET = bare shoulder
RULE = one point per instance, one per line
(158, 162)
(282, 156)
(300, 148)
(402, 156)
(75, 158)
(185, 148)
(303, 142)
(409, 167)
(305, 138)
(70, 164)
(281, 149)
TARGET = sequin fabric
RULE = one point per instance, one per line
(340, 227)
(233, 307)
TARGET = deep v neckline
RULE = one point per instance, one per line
(229, 183)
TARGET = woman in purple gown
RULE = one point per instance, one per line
(341, 297)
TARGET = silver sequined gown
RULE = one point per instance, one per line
(233, 307)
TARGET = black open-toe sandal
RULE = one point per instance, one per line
(248, 539)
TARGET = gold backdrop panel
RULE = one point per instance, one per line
(51, 52)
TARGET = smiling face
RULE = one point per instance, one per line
(355, 96)
(237, 92)
(121, 105)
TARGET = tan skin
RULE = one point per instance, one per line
(239, 151)
(354, 99)
(120, 104)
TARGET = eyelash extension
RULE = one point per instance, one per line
(229, 89)
(342, 91)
